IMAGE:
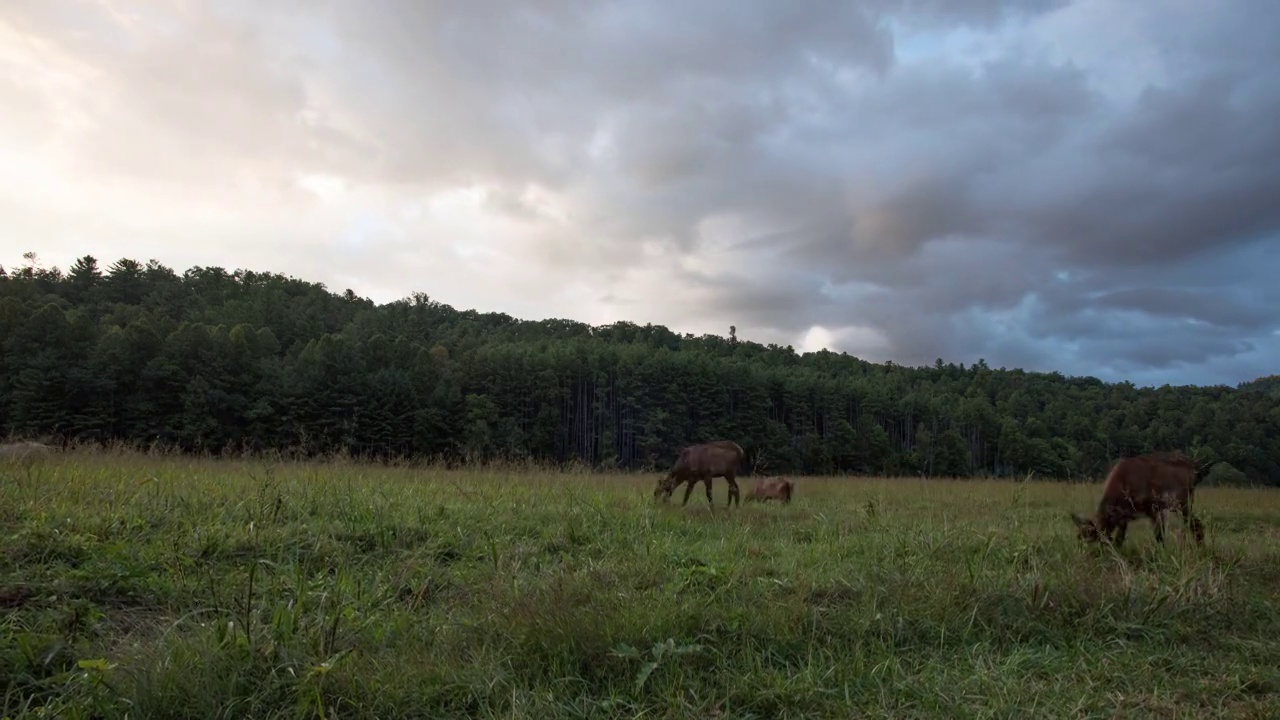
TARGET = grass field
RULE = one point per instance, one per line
(134, 586)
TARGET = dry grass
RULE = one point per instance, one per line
(145, 586)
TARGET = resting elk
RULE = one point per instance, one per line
(771, 489)
(702, 463)
(1148, 485)
(25, 452)
(767, 488)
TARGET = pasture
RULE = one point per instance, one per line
(147, 586)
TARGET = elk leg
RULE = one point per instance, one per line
(1157, 520)
(733, 491)
(1119, 532)
(688, 489)
(710, 502)
(1197, 529)
(1192, 522)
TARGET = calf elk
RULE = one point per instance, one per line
(1148, 485)
(774, 489)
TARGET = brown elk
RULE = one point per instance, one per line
(702, 463)
(772, 489)
(768, 488)
(1148, 485)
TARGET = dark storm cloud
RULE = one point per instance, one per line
(1131, 192)
(705, 108)
(770, 304)
(1189, 169)
(970, 12)
(1085, 186)
(1207, 307)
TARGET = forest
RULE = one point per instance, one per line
(216, 361)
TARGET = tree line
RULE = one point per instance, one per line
(210, 360)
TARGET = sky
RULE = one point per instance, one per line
(1091, 187)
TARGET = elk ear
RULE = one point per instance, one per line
(1081, 520)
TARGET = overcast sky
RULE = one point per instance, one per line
(1089, 186)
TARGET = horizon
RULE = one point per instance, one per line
(1075, 186)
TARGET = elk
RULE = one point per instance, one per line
(24, 452)
(766, 488)
(703, 463)
(1148, 485)
(772, 489)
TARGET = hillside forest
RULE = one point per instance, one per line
(214, 361)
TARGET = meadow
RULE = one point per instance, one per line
(143, 586)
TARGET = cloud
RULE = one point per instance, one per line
(1084, 186)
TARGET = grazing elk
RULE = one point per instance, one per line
(1148, 485)
(772, 489)
(702, 463)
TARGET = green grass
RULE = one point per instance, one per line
(134, 586)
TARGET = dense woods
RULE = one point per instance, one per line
(214, 360)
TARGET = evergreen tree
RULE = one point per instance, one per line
(212, 360)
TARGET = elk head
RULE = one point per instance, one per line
(664, 488)
(1086, 529)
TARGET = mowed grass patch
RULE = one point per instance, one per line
(164, 586)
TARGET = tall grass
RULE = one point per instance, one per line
(163, 586)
